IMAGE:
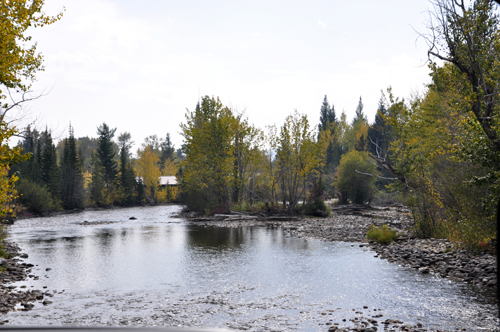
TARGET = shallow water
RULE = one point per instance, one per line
(161, 271)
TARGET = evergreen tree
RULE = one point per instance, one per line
(380, 132)
(167, 151)
(360, 116)
(97, 187)
(326, 116)
(72, 192)
(106, 154)
(30, 169)
(49, 166)
(127, 175)
(327, 121)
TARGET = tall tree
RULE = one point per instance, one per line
(466, 34)
(128, 182)
(72, 191)
(207, 168)
(326, 135)
(297, 157)
(106, 153)
(326, 116)
(146, 167)
(167, 152)
(360, 116)
(49, 164)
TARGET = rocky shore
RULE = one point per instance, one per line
(14, 270)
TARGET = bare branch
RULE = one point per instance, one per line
(376, 176)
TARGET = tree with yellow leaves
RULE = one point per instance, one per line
(19, 63)
(297, 157)
(146, 167)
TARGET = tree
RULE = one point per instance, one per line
(467, 37)
(20, 62)
(128, 184)
(99, 193)
(146, 167)
(327, 115)
(379, 134)
(379, 141)
(208, 166)
(354, 178)
(167, 153)
(49, 165)
(106, 154)
(360, 116)
(8, 157)
(72, 191)
(104, 169)
(297, 157)
(18, 66)
(326, 135)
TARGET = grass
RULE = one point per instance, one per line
(4, 254)
(383, 235)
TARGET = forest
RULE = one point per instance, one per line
(437, 152)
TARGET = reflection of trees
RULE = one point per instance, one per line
(218, 237)
(104, 238)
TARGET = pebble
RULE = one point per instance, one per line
(11, 296)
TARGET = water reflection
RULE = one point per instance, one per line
(161, 271)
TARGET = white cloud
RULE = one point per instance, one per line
(322, 24)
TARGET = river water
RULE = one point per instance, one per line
(105, 269)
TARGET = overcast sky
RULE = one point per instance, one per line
(137, 65)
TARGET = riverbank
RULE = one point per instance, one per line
(12, 270)
(350, 224)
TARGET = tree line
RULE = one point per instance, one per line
(231, 163)
(54, 178)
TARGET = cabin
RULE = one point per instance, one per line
(168, 181)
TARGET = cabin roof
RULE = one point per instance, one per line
(168, 180)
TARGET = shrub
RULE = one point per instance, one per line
(4, 254)
(350, 183)
(36, 198)
(383, 235)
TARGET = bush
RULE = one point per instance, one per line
(36, 198)
(359, 188)
(383, 235)
(316, 205)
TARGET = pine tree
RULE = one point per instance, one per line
(327, 116)
(72, 192)
(97, 187)
(127, 175)
(379, 133)
(327, 121)
(360, 116)
(106, 154)
(30, 169)
(49, 166)
(167, 151)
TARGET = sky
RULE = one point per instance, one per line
(138, 65)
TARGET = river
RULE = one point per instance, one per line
(157, 270)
